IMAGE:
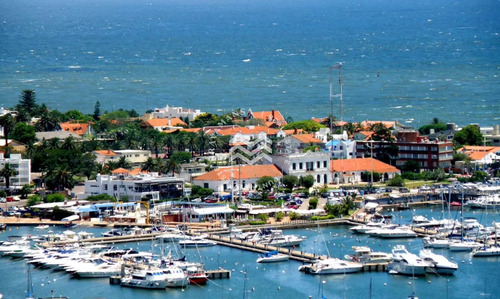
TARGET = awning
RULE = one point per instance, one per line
(71, 218)
(371, 205)
(368, 197)
(211, 211)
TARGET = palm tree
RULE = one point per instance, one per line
(60, 178)
(124, 163)
(69, 143)
(203, 141)
(7, 123)
(7, 172)
(149, 165)
(192, 143)
(53, 143)
(171, 166)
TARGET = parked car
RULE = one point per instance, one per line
(404, 190)
(3, 199)
(10, 199)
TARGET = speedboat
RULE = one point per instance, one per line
(433, 242)
(145, 279)
(464, 245)
(332, 266)
(406, 263)
(439, 264)
(276, 238)
(196, 275)
(364, 255)
(272, 257)
(195, 242)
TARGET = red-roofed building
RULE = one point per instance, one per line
(350, 170)
(296, 143)
(164, 124)
(271, 118)
(221, 179)
(77, 128)
(481, 155)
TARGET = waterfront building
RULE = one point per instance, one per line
(240, 177)
(341, 149)
(491, 135)
(297, 142)
(315, 163)
(22, 166)
(481, 156)
(164, 124)
(81, 129)
(189, 171)
(135, 187)
(135, 157)
(272, 118)
(177, 112)
(411, 147)
(349, 170)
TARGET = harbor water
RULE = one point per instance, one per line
(475, 277)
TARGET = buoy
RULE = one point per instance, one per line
(279, 288)
(385, 284)
(429, 282)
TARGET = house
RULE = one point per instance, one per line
(176, 112)
(188, 171)
(341, 149)
(135, 157)
(14, 145)
(271, 118)
(81, 129)
(481, 155)
(302, 164)
(241, 177)
(61, 135)
(492, 135)
(126, 186)
(297, 142)
(350, 170)
(164, 124)
(22, 166)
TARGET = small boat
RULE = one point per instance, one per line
(3, 226)
(395, 232)
(433, 242)
(486, 251)
(273, 257)
(464, 245)
(42, 226)
(196, 275)
(406, 263)
(439, 264)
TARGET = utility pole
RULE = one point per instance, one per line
(338, 66)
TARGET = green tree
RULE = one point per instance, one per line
(150, 165)
(396, 181)
(26, 190)
(181, 157)
(34, 200)
(411, 166)
(124, 163)
(7, 122)
(7, 172)
(307, 181)
(279, 216)
(289, 181)
(470, 135)
(313, 203)
(306, 125)
(27, 101)
(477, 176)
(24, 133)
(56, 197)
(97, 111)
(263, 217)
(265, 184)
(60, 179)
(437, 125)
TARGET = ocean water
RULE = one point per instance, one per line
(409, 61)
(475, 278)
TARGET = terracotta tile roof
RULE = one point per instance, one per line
(293, 131)
(270, 117)
(477, 155)
(477, 148)
(248, 131)
(120, 170)
(76, 128)
(247, 172)
(137, 171)
(192, 130)
(361, 164)
(105, 152)
(307, 138)
(388, 124)
(164, 122)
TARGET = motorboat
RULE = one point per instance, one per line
(196, 275)
(433, 242)
(145, 279)
(394, 232)
(439, 264)
(364, 228)
(364, 255)
(486, 251)
(273, 257)
(277, 238)
(332, 266)
(406, 263)
(464, 245)
(175, 277)
(491, 201)
(196, 242)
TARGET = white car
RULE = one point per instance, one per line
(3, 199)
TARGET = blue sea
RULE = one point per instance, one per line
(409, 61)
(475, 278)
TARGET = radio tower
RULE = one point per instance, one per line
(338, 66)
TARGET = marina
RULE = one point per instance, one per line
(238, 258)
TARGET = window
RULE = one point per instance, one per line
(324, 164)
(318, 164)
(205, 185)
(294, 166)
(300, 165)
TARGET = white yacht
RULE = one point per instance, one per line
(364, 255)
(406, 263)
(196, 242)
(332, 266)
(175, 277)
(464, 245)
(439, 264)
(394, 232)
(145, 279)
(278, 239)
(486, 251)
(434, 242)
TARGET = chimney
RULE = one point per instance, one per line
(272, 113)
(496, 130)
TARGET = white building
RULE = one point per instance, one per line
(316, 164)
(149, 186)
(341, 149)
(22, 166)
(178, 112)
(134, 157)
